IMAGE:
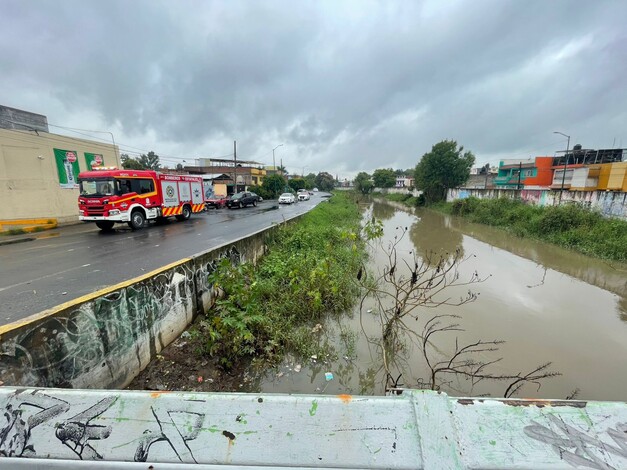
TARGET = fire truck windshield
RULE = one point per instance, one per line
(96, 187)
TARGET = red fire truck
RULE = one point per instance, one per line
(109, 196)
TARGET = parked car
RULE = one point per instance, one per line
(287, 198)
(242, 199)
(217, 202)
(303, 195)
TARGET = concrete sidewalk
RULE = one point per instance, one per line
(24, 230)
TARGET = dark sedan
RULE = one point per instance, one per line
(242, 200)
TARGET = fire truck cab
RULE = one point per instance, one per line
(109, 196)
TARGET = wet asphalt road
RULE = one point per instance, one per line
(69, 262)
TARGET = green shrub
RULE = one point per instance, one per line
(307, 274)
(570, 225)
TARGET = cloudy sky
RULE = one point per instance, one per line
(346, 86)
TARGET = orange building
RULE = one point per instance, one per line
(543, 173)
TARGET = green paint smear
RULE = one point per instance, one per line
(493, 443)
(377, 451)
(289, 434)
(314, 408)
(257, 412)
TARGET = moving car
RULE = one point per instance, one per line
(303, 195)
(315, 190)
(287, 198)
(217, 202)
(242, 199)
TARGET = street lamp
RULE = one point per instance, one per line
(274, 162)
(565, 160)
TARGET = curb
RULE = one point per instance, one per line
(17, 240)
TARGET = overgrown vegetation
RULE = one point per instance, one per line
(570, 226)
(408, 199)
(267, 310)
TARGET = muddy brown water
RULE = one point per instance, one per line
(547, 303)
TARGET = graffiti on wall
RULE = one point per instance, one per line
(244, 429)
(24, 411)
(579, 448)
(61, 348)
(93, 344)
(608, 203)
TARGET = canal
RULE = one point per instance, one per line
(546, 303)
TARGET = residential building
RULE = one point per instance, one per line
(589, 169)
(247, 173)
(404, 182)
(529, 173)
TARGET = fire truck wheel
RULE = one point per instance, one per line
(104, 225)
(138, 220)
(187, 213)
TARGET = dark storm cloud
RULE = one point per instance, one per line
(347, 86)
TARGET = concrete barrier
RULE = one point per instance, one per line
(608, 203)
(414, 430)
(103, 340)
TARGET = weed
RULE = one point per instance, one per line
(307, 274)
(570, 226)
(14, 231)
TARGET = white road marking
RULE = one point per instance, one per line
(43, 277)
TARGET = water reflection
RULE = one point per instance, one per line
(382, 211)
(549, 304)
(432, 233)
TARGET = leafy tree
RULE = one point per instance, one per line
(296, 183)
(445, 167)
(150, 161)
(281, 169)
(310, 181)
(261, 191)
(129, 163)
(324, 181)
(384, 178)
(274, 185)
(363, 183)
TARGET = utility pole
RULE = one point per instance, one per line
(565, 162)
(519, 174)
(273, 161)
(234, 166)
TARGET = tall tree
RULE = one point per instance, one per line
(324, 181)
(274, 185)
(310, 181)
(384, 178)
(446, 166)
(150, 161)
(363, 183)
(296, 183)
(129, 163)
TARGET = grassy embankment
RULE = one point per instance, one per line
(569, 226)
(270, 309)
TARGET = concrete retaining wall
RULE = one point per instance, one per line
(105, 339)
(418, 429)
(608, 203)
